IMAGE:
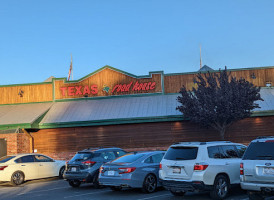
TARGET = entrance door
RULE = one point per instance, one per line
(3, 147)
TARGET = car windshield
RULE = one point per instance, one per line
(6, 159)
(82, 156)
(129, 158)
(260, 151)
(181, 153)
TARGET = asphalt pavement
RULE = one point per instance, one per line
(56, 189)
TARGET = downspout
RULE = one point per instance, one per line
(30, 140)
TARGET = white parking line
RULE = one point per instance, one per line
(154, 197)
(84, 194)
(22, 193)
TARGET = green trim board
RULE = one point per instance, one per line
(111, 122)
(14, 126)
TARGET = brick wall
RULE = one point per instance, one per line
(16, 143)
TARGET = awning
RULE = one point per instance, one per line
(23, 115)
(137, 109)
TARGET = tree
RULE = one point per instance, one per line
(218, 100)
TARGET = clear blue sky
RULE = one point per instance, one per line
(137, 36)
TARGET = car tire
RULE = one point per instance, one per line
(17, 178)
(116, 188)
(175, 193)
(95, 181)
(74, 183)
(220, 188)
(61, 172)
(149, 184)
(255, 195)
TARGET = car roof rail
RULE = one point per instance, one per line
(264, 137)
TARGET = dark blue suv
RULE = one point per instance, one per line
(84, 166)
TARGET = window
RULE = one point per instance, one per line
(41, 158)
(6, 159)
(241, 150)
(181, 153)
(230, 151)
(82, 156)
(214, 152)
(129, 158)
(157, 158)
(259, 151)
(148, 160)
(25, 159)
(109, 155)
(120, 153)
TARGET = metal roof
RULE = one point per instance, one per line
(112, 108)
(23, 113)
(153, 106)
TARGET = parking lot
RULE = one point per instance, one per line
(54, 188)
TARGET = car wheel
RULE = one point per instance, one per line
(255, 196)
(96, 181)
(17, 178)
(74, 183)
(61, 172)
(116, 188)
(150, 183)
(175, 193)
(220, 187)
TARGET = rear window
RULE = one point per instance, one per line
(260, 151)
(129, 158)
(6, 159)
(82, 156)
(181, 153)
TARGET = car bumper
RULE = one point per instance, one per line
(266, 187)
(126, 182)
(184, 186)
(81, 176)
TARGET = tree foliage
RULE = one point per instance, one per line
(219, 100)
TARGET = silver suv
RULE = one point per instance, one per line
(201, 166)
(257, 168)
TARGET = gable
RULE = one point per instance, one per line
(108, 81)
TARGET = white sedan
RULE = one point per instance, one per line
(22, 167)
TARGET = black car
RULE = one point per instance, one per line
(84, 166)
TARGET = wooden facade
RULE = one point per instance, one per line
(102, 83)
(146, 136)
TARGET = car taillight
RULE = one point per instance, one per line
(160, 166)
(3, 167)
(269, 141)
(198, 167)
(89, 163)
(241, 168)
(126, 170)
(101, 169)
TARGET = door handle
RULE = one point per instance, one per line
(23, 165)
(40, 165)
(226, 163)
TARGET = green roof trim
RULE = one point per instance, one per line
(15, 126)
(112, 122)
(238, 69)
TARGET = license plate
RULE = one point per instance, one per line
(269, 170)
(176, 170)
(111, 173)
(73, 169)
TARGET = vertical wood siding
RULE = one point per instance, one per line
(145, 136)
(31, 93)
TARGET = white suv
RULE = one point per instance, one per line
(257, 168)
(201, 166)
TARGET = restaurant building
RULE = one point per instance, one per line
(110, 107)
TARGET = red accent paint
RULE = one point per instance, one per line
(71, 91)
(63, 90)
(78, 90)
(94, 89)
(86, 90)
